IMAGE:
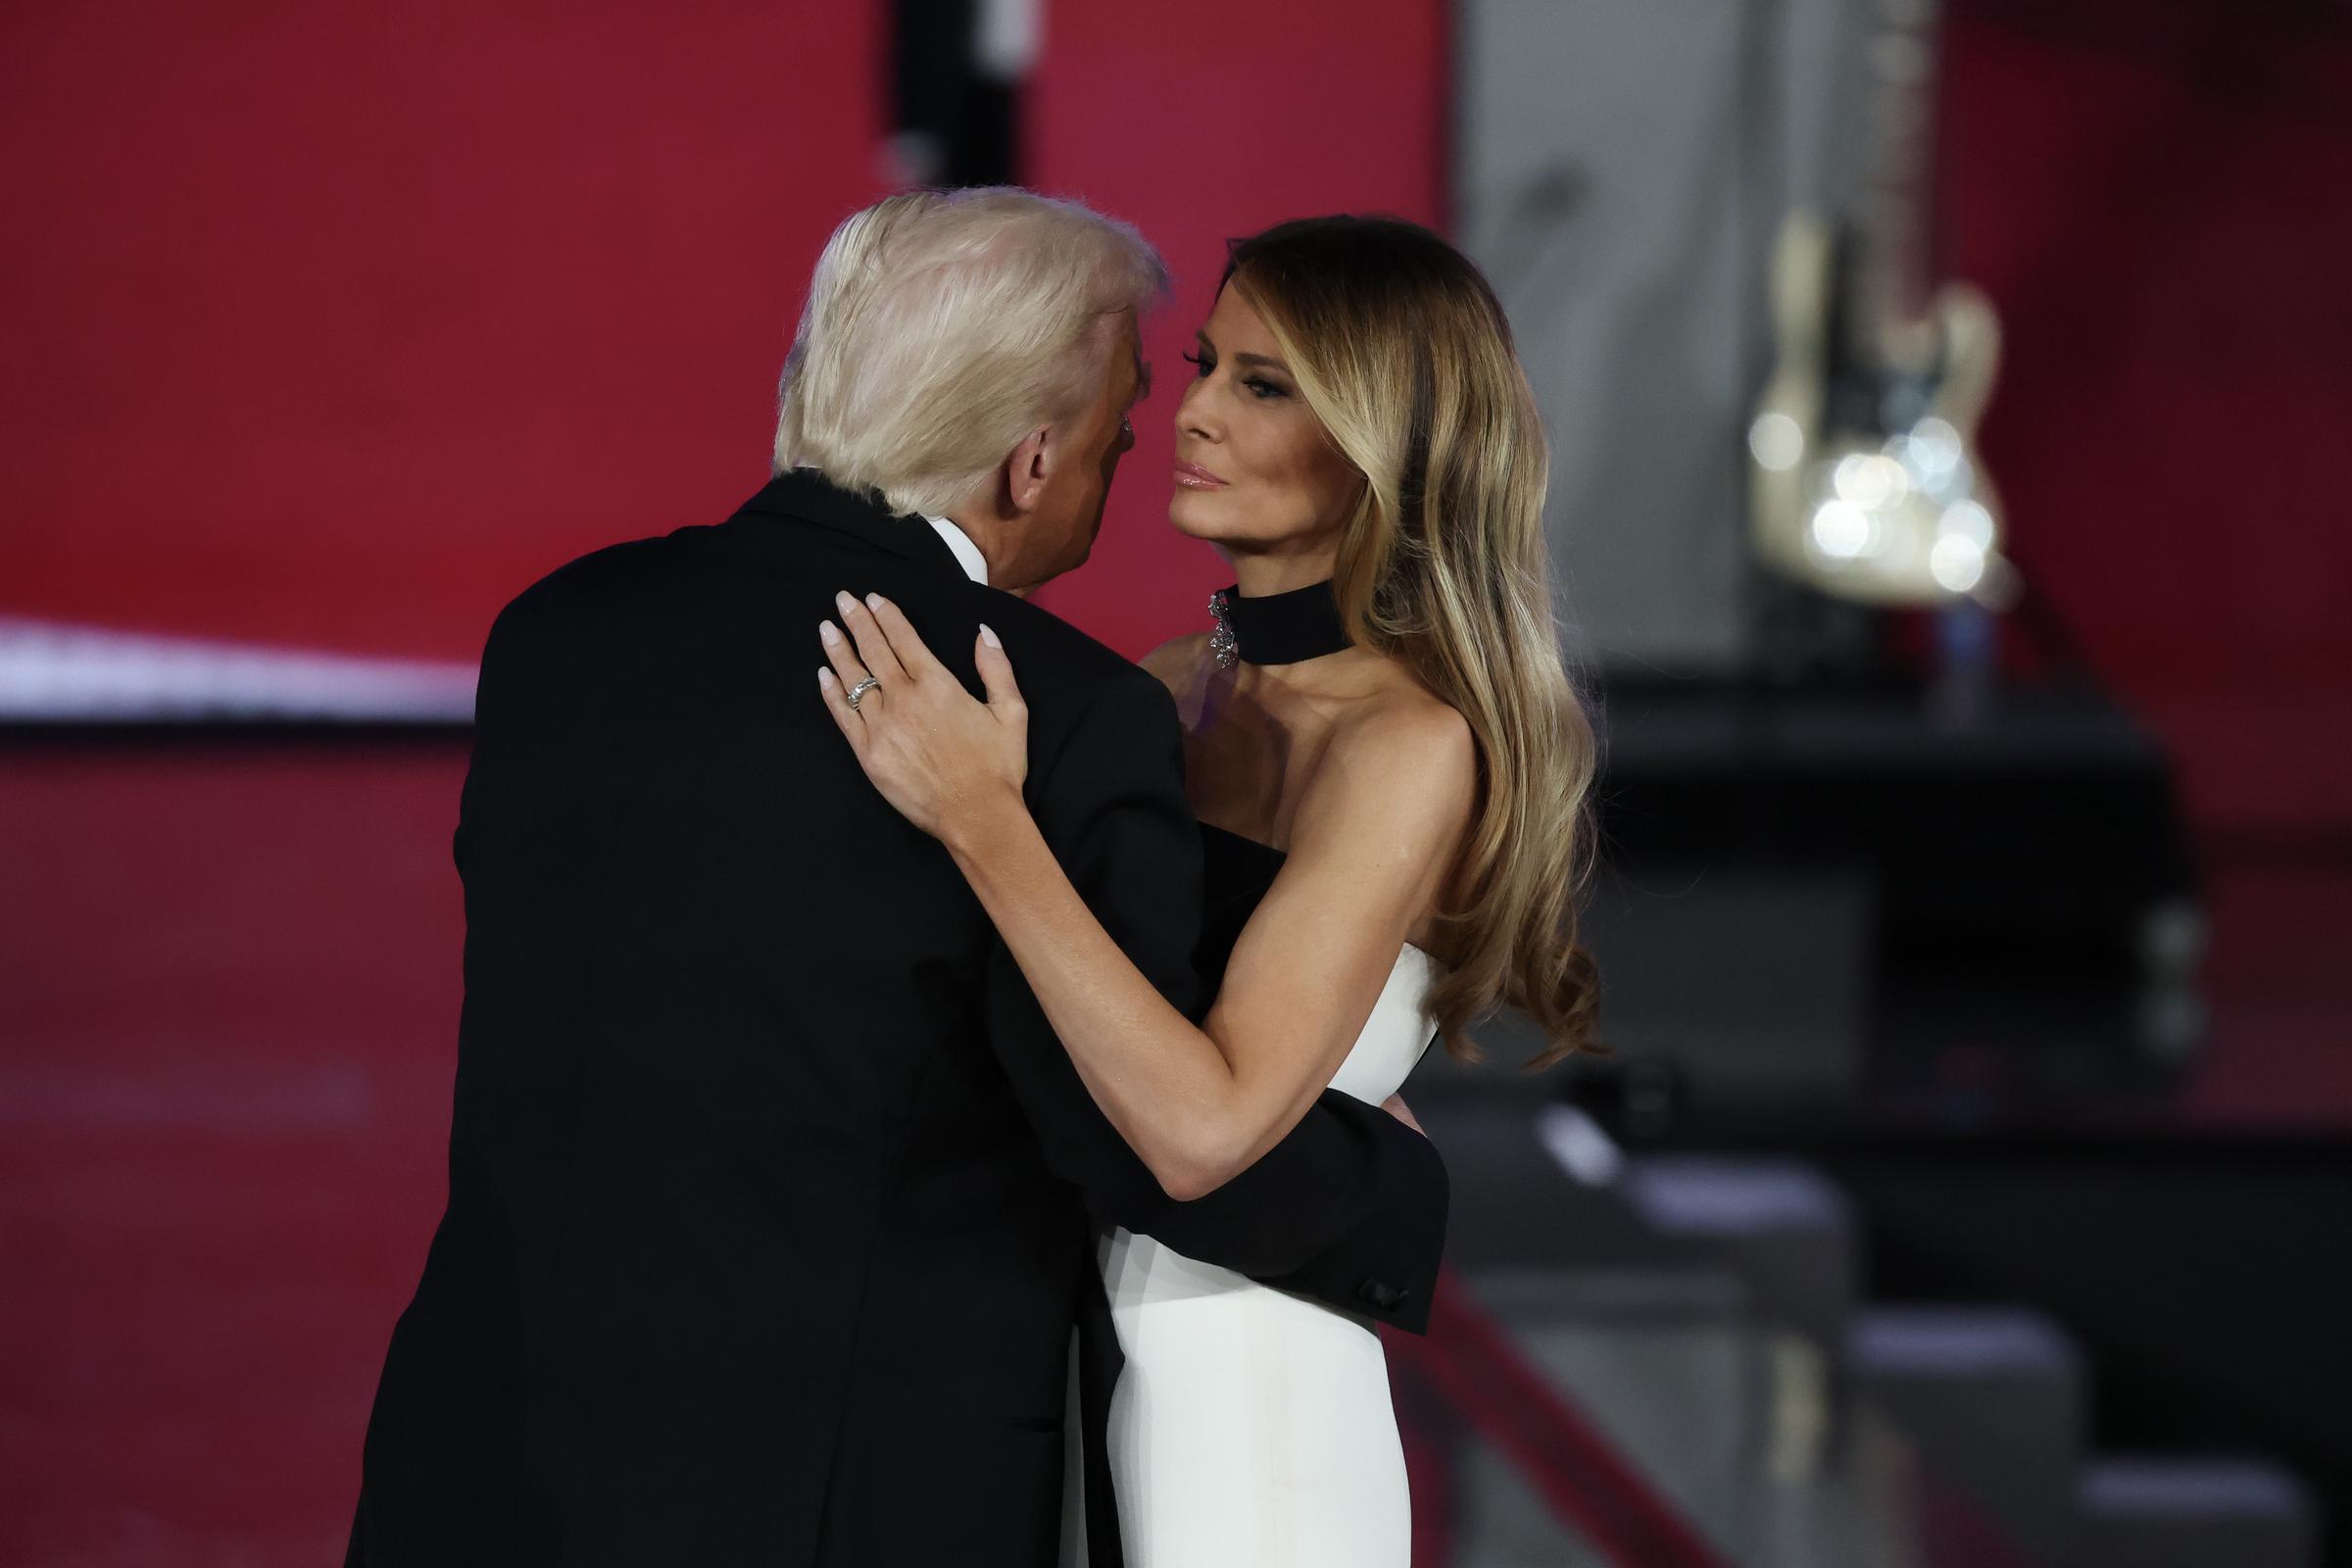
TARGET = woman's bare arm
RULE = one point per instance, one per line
(1376, 830)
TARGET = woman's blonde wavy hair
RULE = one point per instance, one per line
(1403, 352)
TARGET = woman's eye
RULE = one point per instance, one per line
(1263, 389)
(1203, 362)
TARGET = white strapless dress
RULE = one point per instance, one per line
(1251, 1428)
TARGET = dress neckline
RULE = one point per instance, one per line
(1243, 838)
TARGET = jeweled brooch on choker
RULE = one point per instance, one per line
(1221, 641)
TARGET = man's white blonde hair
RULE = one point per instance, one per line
(943, 327)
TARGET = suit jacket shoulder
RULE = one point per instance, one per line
(607, 590)
(1073, 659)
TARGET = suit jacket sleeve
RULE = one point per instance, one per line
(1349, 1208)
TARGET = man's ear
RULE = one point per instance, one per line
(1027, 467)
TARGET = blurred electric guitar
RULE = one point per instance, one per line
(1865, 481)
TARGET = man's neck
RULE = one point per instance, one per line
(992, 536)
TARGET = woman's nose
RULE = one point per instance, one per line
(1193, 413)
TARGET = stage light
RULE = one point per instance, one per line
(52, 672)
(1870, 481)
(1934, 447)
(1956, 561)
(1580, 1145)
(1776, 442)
(1968, 519)
(1843, 530)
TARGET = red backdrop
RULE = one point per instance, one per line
(336, 327)
(2156, 197)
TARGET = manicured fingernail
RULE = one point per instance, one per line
(873, 602)
(824, 677)
(844, 603)
(989, 637)
(829, 633)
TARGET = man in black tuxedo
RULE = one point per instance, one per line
(769, 1184)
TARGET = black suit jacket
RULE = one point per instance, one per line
(769, 1183)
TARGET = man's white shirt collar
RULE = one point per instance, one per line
(967, 553)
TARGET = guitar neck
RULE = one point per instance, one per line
(1889, 273)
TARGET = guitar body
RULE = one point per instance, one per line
(1866, 484)
(1864, 480)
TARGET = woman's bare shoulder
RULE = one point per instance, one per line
(1176, 664)
(1407, 723)
(1398, 774)
(1399, 742)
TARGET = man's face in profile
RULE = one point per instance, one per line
(1062, 530)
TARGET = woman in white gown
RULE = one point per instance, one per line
(1390, 765)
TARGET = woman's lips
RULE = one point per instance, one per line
(1193, 476)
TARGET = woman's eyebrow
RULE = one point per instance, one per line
(1263, 361)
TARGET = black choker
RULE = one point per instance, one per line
(1278, 629)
